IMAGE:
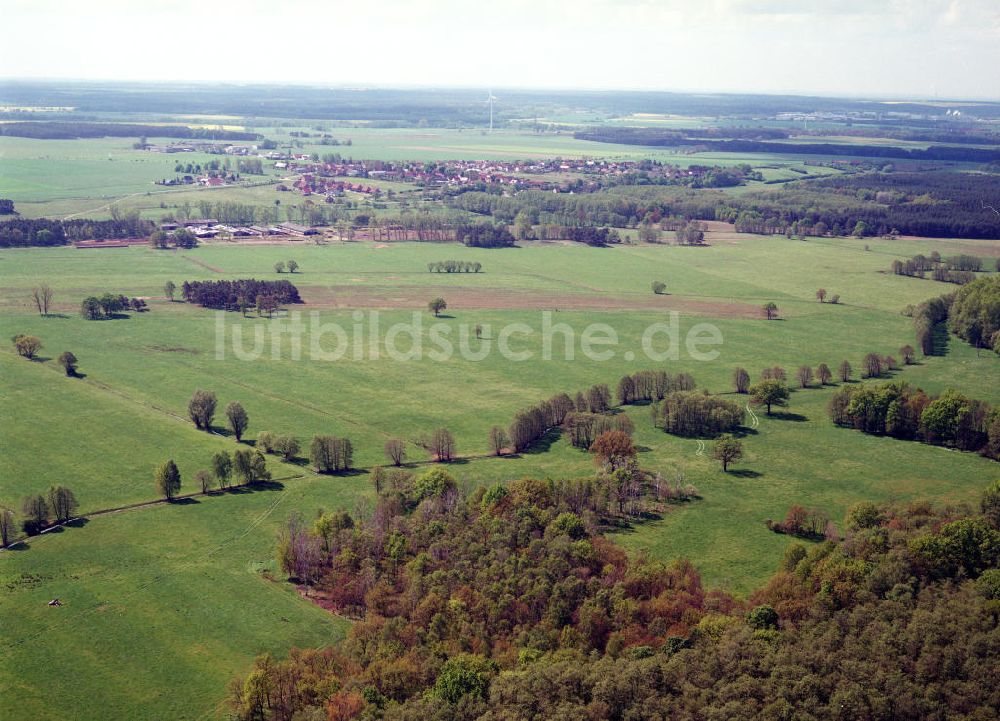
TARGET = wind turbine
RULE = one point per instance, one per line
(490, 97)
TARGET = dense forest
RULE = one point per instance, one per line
(507, 604)
(932, 204)
(739, 142)
(24, 232)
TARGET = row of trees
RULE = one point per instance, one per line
(898, 410)
(38, 512)
(244, 467)
(454, 266)
(647, 385)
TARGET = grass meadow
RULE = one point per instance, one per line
(168, 602)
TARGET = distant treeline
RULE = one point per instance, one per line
(238, 294)
(69, 130)
(933, 204)
(737, 144)
(44, 232)
(484, 235)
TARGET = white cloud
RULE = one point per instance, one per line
(899, 47)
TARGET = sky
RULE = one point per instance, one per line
(920, 49)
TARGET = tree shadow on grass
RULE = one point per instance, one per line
(621, 526)
(55, 315)
(544, 444)
(785, 416)
(77, 523)
(184, 501)
(255, 487)
(745, 473)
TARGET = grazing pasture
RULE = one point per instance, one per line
(172, 600)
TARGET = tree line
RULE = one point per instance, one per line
(454, 266)
(38, 512)
(896, 409)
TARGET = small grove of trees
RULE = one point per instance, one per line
(109, 305)
(898, 410)
(250, 466)
(649, 385)
(769, 393)
(201, 409)
(813, 524)
(741, 380)
(26, 346)
(330, 454)
(442, 445)
(974, 314)
(498, 440)
(454, 266)
(584, 428)
(38, 512)
(689, 413)
(238, 294)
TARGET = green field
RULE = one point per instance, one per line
(169, 602)
(60, 178)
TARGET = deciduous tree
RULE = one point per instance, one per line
(498, 440)
(35, 514)
(27, 346)
(7, 528)
(395, 451)
(201, 409)
(237, 420)
(68, 361)
(436, 306)
(741, 380)
(769, 393)
(62, 503)
(442, 445)
(727, 449)
(613, 450)
(222, 467)
(770, 310)
(168, 480)
(845, 371)
(824, 374)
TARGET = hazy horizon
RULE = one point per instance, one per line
(902, 49)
